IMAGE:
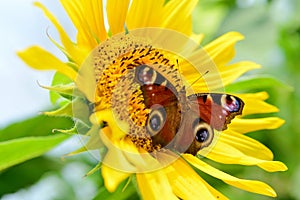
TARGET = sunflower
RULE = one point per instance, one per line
(101, 94)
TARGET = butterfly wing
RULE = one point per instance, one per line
(216, 109)
(164, 117)
(208, 112)
(185, 124)
(161, 97)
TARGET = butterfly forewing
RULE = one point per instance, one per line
(216, 109)
(162, 98)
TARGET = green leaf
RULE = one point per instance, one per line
(94, 142)
(95, 169)
(81, 110)
(19, 150)
(37, 167)
(257, 82)
(58, 79)
(64, 111)
(70, 131)
(124, 191)
(66, 91)
(37, 126)
(77, 108)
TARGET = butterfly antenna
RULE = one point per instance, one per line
(197, 79)
(177, 62)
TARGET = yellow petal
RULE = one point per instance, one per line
(187, 184)
(228, 154)
(143, 161)
(75, 10)
(246, 145)
(255, 104)
(41, 59)
(225, 75)
(93, 13)
(272, 166)
(177, 15)
(116, 14)
(87, 16)
(118, 128)
(155, 185)
(231, 72)
(198, 38)
(249, 125)
(217, 76)
(73, 52)
(149, 14)
(259, 96)
(213, 191)
(115, 157)
(213, 59)
(112, 177)
(221, 50)
(86, 79)
(248, 185)
(195, 70)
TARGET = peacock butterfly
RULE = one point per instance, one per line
(180, 122)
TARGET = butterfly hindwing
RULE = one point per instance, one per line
(207, 112)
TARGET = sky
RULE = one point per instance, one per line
(22, 24)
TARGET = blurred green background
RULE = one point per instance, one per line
(272, 39)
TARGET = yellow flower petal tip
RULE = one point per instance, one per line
(112, 178)
(273, 166)
(248, 185)
(197, 37)
(236, 35)
(41, 59)
(248, 125)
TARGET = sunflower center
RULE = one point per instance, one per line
(116, 63)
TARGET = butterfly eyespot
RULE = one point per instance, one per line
(156, 120)
(204, 133)
(145, 74)
(231, 103)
